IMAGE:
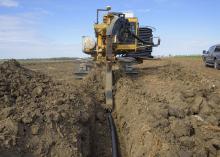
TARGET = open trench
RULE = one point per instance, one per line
(164, 111)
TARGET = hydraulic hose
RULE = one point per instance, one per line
(113, 135)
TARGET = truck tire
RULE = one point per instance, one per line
(216, 65)
(204, 60)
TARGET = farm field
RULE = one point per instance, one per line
(171, 108)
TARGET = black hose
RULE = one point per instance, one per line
(113, 135)
(139, 39)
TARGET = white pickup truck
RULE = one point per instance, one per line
(212, 57)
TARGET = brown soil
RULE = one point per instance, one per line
(170, 109)
(40, 117)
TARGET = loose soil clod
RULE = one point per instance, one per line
(39, 117)
(165, 111)
(169, 109)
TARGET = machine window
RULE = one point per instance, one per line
(128, 38)
(210, 49)
(217, 49)
(133, 27)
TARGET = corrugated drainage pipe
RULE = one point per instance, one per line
(113, 135)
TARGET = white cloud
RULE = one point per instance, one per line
(16, 28)
(8, 3)
(20, 37)
(39, 50)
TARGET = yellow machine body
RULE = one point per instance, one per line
(100, 32)
(119, 35)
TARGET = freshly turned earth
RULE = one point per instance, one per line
(171, 108)
(39, 117)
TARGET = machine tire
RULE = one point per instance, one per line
(216, 65)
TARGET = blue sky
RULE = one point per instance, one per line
(53, 28)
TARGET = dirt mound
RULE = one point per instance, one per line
(166, 110)
(39, 117)
(171, 111)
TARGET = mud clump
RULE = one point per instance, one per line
(39, 117)
(173, 113)
(164, 111)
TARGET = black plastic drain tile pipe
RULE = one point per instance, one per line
(113, 135)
